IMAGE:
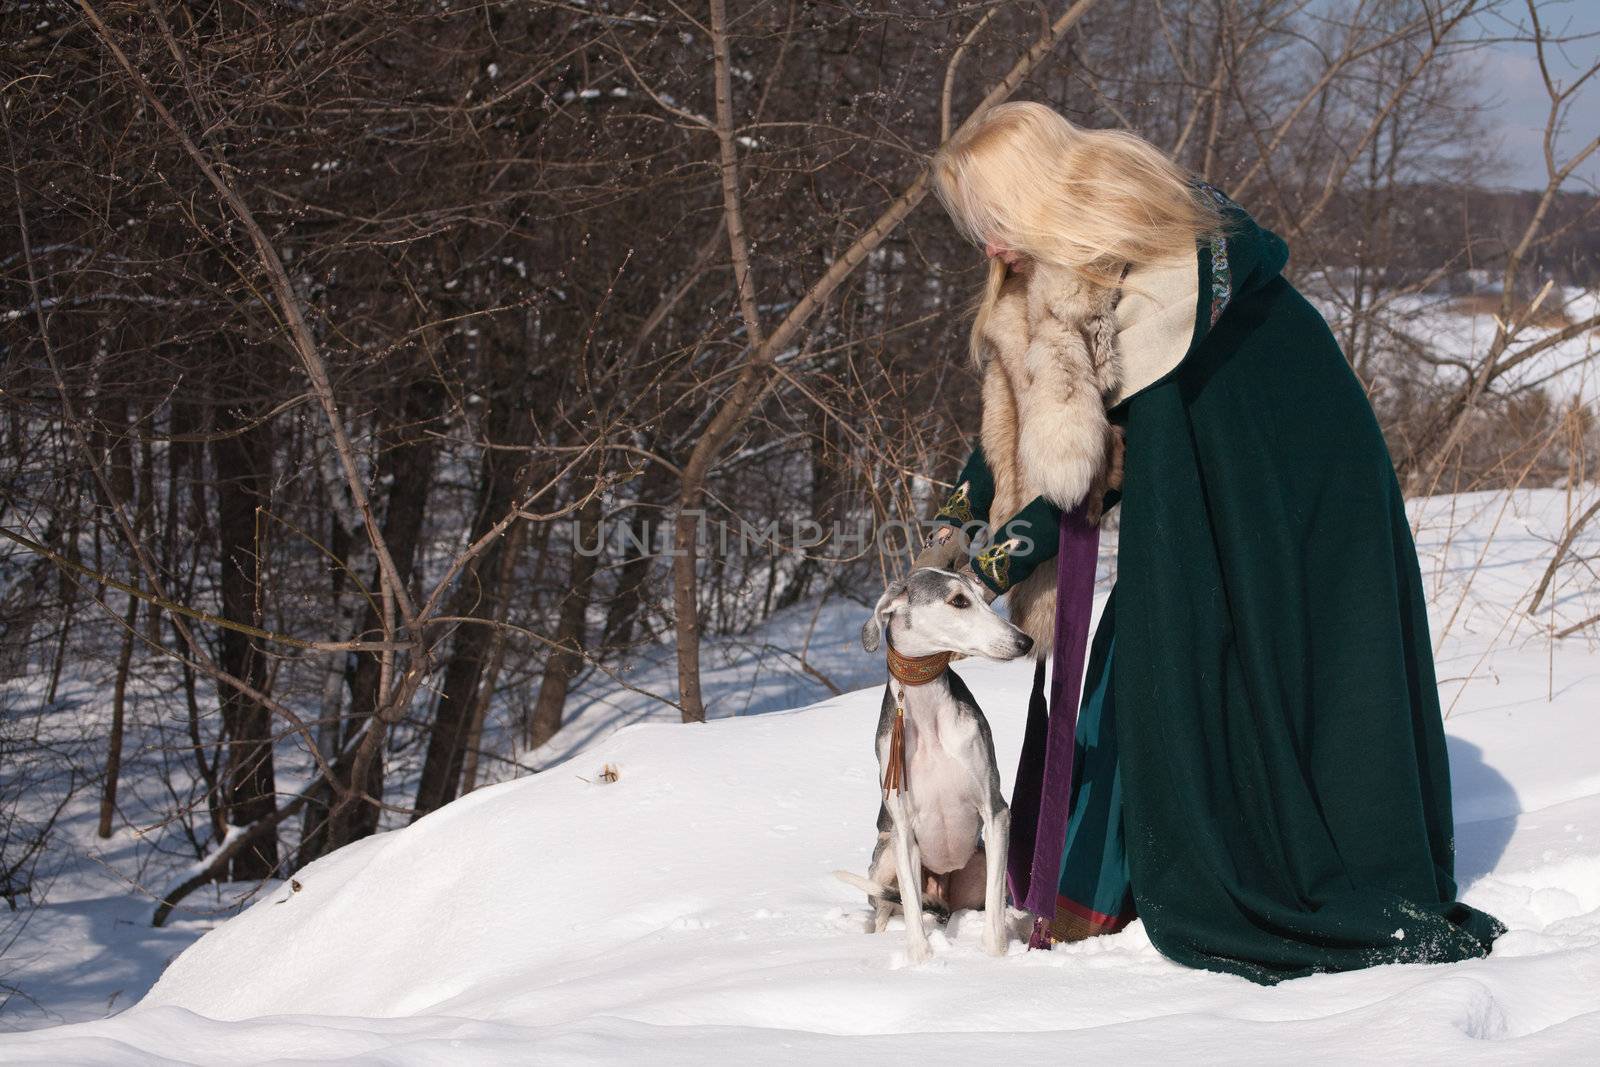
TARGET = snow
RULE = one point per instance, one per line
(1448, 324)
(686, 913)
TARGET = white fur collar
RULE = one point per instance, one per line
(1051, 352)
(1047, 292)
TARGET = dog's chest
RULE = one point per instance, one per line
(943, 789)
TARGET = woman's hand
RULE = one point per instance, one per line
(946, 549)
(1110, 476)
(949, 549)
(1118, 451)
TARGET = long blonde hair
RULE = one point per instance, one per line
(1025, 177)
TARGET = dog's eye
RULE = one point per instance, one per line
(960, 601)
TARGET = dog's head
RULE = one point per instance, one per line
(932, 610)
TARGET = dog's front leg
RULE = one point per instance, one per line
(908, 875)
(996, 834)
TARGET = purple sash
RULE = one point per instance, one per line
(1042, 796)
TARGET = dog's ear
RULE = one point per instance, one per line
(892, 598)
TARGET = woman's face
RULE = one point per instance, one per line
(1018, 262)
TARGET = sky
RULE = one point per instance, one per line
(1511, 84)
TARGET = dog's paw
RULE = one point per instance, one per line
(995, 943)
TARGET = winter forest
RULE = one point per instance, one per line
(397, 399)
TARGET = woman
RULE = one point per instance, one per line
(1258, 768)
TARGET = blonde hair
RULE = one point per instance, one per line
(1025, 177)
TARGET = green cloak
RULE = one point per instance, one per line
(1284, 783)
(1259, 748)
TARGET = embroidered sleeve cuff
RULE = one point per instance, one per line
(1027, 540)
(973, 494)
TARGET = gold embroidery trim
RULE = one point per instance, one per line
(959, 504)
(995, 561)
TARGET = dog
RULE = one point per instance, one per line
(942, 785)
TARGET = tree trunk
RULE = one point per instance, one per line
(622, 614)
(149, 523)
(119, 700)
(343, 547)
(638, 553)
(406, 466)
(481, 590)
(480, 711)
(566, 659)
(243, 463)
(113, 436)
(67, 587)
(824, 509)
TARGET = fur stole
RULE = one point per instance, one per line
(1050, 361)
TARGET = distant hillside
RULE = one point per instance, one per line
(1410, 231)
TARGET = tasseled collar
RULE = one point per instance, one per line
(915, 670)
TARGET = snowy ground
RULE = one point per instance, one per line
(686, 911)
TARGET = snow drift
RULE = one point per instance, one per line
(686, 911)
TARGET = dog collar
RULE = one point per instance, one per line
(916, 670)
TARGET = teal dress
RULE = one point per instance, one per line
(1260, 773)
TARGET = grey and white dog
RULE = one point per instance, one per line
(929, 832)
